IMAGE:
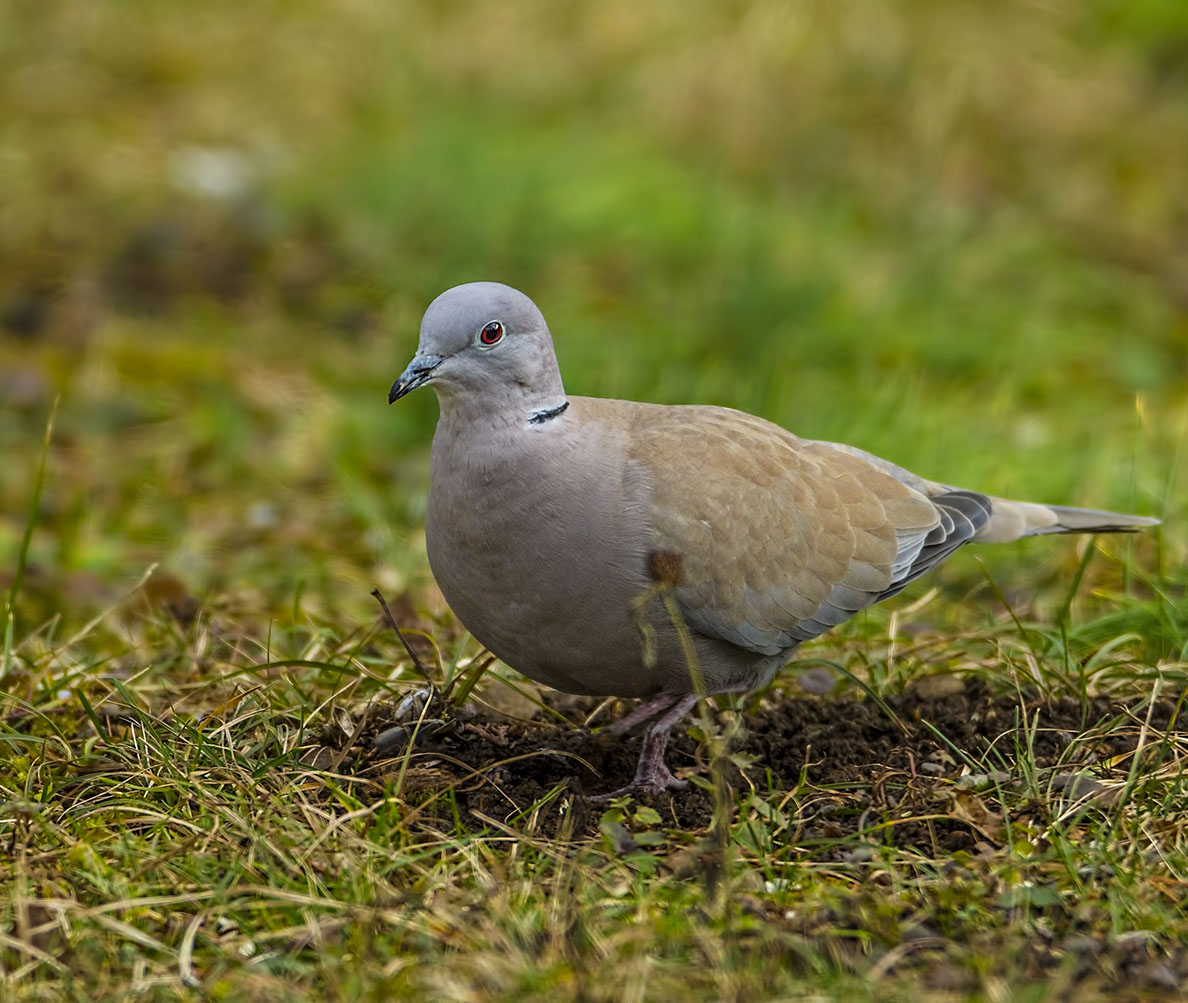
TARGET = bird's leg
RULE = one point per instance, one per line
(644, 712)
(652, 776)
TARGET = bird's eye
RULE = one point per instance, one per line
(491, 334)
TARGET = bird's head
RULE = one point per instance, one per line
(484, 342)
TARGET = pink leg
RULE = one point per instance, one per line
(644, 712)
(652, 776)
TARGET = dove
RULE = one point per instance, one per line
(664, 552)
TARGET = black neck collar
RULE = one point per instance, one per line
(540, 417)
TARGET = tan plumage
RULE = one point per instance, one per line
(619, 548)
(782, 538)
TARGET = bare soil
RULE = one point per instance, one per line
(853, 762)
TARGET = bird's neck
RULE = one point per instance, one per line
(535, 403)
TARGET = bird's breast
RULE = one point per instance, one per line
(537, 551)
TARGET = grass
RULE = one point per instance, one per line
(154, 850)
(950, 235)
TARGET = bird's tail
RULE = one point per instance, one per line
(1012, 520)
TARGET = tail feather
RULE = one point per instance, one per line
(1011, 520)
(1091, 520)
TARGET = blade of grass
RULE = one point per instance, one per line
(1066, 607)
(26, 541)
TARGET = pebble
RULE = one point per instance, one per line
(393, 740)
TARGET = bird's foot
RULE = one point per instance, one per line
(652, 776)
(650, 779)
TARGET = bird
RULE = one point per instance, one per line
(663, 552)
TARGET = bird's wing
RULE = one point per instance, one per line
(770, 539)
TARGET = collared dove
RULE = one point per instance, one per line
(624, 549)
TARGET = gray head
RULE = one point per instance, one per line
(485, 347)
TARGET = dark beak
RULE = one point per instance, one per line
(417, 374)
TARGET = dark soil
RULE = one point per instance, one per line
(858, 761)
(927, 773)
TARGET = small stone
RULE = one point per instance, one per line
(938, 686)
(1159, 973)
(1076, 786)
(391, 740)
(819, 681)
(1079, 943)
(983, 781)
(413, 705)
(320, 757)
(519, 702)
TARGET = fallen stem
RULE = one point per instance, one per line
(379, 597)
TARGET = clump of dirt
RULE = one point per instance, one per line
(853, 754)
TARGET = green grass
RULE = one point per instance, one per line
(947, 233)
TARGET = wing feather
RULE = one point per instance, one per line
(785, 538)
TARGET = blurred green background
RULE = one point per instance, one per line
(953, 233)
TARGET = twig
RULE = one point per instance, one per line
(379, 597)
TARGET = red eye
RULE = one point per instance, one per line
(492, 333)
